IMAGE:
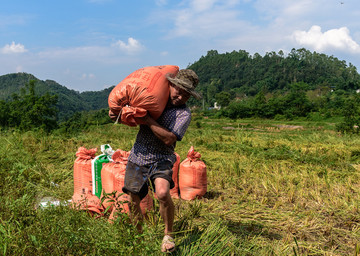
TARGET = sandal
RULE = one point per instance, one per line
(168, 244)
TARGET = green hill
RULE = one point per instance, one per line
(69, 101)
(240, 73)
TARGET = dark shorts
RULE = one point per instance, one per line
(138, 178)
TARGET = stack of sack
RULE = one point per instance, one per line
(107, 177)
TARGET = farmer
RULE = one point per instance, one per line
(152, 156)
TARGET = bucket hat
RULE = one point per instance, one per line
(187, 80)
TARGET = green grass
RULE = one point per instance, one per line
(274, 188)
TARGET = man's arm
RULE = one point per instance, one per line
(162, 133)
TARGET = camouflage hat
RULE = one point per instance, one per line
(187, 80)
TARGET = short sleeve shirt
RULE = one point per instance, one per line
(149, 149)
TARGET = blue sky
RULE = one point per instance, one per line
(89, 45)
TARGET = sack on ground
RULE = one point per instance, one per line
(192, 176)
(83, 197)
(112, 177)
(87, 202)
(96, 167)
(82, 170)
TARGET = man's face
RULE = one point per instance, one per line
(178, 96)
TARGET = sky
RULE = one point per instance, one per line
(90, 45)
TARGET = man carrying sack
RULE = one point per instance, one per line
(152, 155)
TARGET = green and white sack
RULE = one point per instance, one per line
(96, 166)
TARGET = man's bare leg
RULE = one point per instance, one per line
(162, 188)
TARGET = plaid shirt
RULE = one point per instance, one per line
(149, 149)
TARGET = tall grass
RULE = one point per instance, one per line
(271, 191)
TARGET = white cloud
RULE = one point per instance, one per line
(13, 48)
(131, 47)
(334, 39)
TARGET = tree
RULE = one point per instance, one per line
(29, 111)
(4, 113)
(223, 98)
(237, 109)
(211, 91)
(351, 112)
(296, 102)
(259, 104)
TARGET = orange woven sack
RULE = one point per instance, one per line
(82, 170)
(88, 202)
(146, 89)
(174, 192)
(112, 178)
(192, 176)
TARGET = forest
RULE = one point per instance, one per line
(302, 84)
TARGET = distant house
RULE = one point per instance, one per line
(216, 106)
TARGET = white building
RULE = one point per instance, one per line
(216, 106)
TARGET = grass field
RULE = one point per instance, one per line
(274, 188)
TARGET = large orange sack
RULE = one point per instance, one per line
(87, 202)
(192, 176)
(146, 89)
(83, 198)
(82, 170)
(112, 179)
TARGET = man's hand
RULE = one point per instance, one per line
(144, 119)
(113, 116)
